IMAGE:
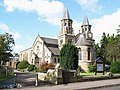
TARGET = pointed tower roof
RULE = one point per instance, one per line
(66, 14)
(85, 21)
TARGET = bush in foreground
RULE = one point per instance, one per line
(31, 67)
(91, 68)
(115, 67)
(45, 66)
(69, 57)
(23, 64)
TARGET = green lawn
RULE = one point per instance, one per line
(6, 77)
(90, 74)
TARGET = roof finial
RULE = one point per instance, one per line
(85, 21)
(66, 14)
(38, 33)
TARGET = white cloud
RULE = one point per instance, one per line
(76, 26)
(91, 5)
(16, 35)
(29, 38)
(18, 48)
(49, 11)
(11, 5)
(5, 29)
(107, 24)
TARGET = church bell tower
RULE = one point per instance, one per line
(86, 29)
(66, 33)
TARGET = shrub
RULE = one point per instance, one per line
(115, 67)
(31, 67)
(41, 70)
(78, 70)
(91, 68)
(69, 57)
(50, 66)
(23, 64)
(45, 66)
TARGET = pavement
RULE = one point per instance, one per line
(27, 80)
(90, 85)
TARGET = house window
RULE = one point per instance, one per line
(79, 54)
(65, 24)
(58, 60)
(88, 53)
(55, 60)
(61, 42)
(38, 49)
(68, 24)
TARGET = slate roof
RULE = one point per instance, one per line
(66, 14)
(52, 45)
(50, 40)
(82, 41)
(85, 21)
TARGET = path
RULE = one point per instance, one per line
(24, 79)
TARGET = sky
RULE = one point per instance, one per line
(25, 19)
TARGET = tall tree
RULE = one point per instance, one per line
(113, 51)
(6, 44)
(97, 49)
(103, 42)
(69, 57)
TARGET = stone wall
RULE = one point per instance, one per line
(41, 76)
(58, 76)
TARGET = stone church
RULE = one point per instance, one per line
(48, 50)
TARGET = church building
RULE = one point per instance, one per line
(48, 50)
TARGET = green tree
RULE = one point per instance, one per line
(115, 67)
(91, 68)
(23, 64)
(112, 49)
(109, 48)
(103, 42)
(31, 67)
(69, 57)
(6, 44)
(97, 48)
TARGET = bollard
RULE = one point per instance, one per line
(14, 79)
(36, 80)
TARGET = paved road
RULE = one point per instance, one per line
(24, 79)
(27, 80)
(109, 88)
(76, 86)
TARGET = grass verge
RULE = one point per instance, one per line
(90, 74)
(4, 77)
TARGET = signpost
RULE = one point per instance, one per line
(99, 63)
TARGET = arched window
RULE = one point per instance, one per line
(88, 53)
(58, 60)
(55, 60)
(79, 54)
(65, 24)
